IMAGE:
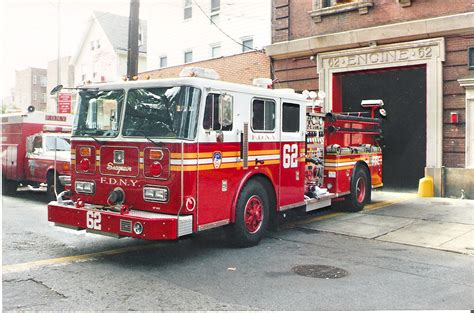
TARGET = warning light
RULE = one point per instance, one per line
(156, 169)
(85, 164)
(156, 154)
(85, 151)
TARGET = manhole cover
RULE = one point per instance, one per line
(320, 271)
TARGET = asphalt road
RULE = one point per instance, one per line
(51, 268)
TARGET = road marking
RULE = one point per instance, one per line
(370, 207)
(382, 204)
(21, 267)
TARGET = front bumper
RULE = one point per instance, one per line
(156, 226)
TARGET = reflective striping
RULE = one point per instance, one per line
(263, 152)
(265, 157)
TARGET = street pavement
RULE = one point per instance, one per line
(403, 252)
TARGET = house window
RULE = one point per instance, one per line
(94, 75)
(92, 45)
(215, 51)
(35, 95)
(247, 45)
(329, 7)
(188, 57)
(291, 118)
(470, 54)
(97, 43)
(44, 97)
(188, 9)
(263, 115)
(215, 5)
(43, 81)
(35, 80)
(83, 77)
(163, 61)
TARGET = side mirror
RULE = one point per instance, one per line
(56, 89)
(225, 110)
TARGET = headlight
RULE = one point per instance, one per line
(155, 194)
(85, 187)
(65, 180)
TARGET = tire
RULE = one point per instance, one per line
(252, 215)
(9, 187)
(361, 188)
(50, 187)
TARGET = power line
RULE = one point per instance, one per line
(221, 30)
(272, 69)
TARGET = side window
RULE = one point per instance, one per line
(38, 143)
(211, 114)
(291, 118)
(263, 115)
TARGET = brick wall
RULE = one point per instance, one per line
(454, 99)
(301, 73)
(240, 68)
(291, 19)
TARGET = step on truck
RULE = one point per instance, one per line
(32, 144)
(162, 159)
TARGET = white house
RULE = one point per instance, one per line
(102, 54)
(182, 32)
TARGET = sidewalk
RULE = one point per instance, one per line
(437, 223)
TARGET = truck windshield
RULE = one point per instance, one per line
(61, 144)
(98, 113)
(164, 112)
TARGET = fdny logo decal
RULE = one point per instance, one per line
(217, 159)
(119, 168)
(119, 181)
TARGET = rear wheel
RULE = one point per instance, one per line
(50, 187)
(360, 190)
(252, 215)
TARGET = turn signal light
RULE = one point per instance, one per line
(85, 151)
(156, 154)
(85, 164)
(66, 167)
(156, 169)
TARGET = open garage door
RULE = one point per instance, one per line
(403, 91)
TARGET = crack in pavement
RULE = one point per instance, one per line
(39, 282)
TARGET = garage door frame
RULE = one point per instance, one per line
(430, 52)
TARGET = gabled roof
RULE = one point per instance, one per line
(116, 29)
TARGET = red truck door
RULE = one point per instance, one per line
(291, 151)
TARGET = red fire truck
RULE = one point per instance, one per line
(161, 159)
(32, 143)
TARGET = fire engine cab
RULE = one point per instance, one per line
(161, 159)
(32, 144)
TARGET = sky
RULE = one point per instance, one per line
(29, 31)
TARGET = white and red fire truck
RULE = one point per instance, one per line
(161, 159)
(32, 143)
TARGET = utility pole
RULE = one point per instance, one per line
(132, 60)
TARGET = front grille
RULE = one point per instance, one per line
(126, 226)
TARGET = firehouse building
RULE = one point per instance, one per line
(417, 56)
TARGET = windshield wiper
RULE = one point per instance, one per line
(95, 139)
(158, 144)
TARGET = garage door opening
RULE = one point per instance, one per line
(403, 91)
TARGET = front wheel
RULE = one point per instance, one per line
(252, 215)
(9, 187)
(50, 185)
(360, 191)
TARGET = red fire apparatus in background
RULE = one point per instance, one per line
(30, 143)
(161, 159)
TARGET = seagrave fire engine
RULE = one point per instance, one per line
(32, 143)
(161, 159)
